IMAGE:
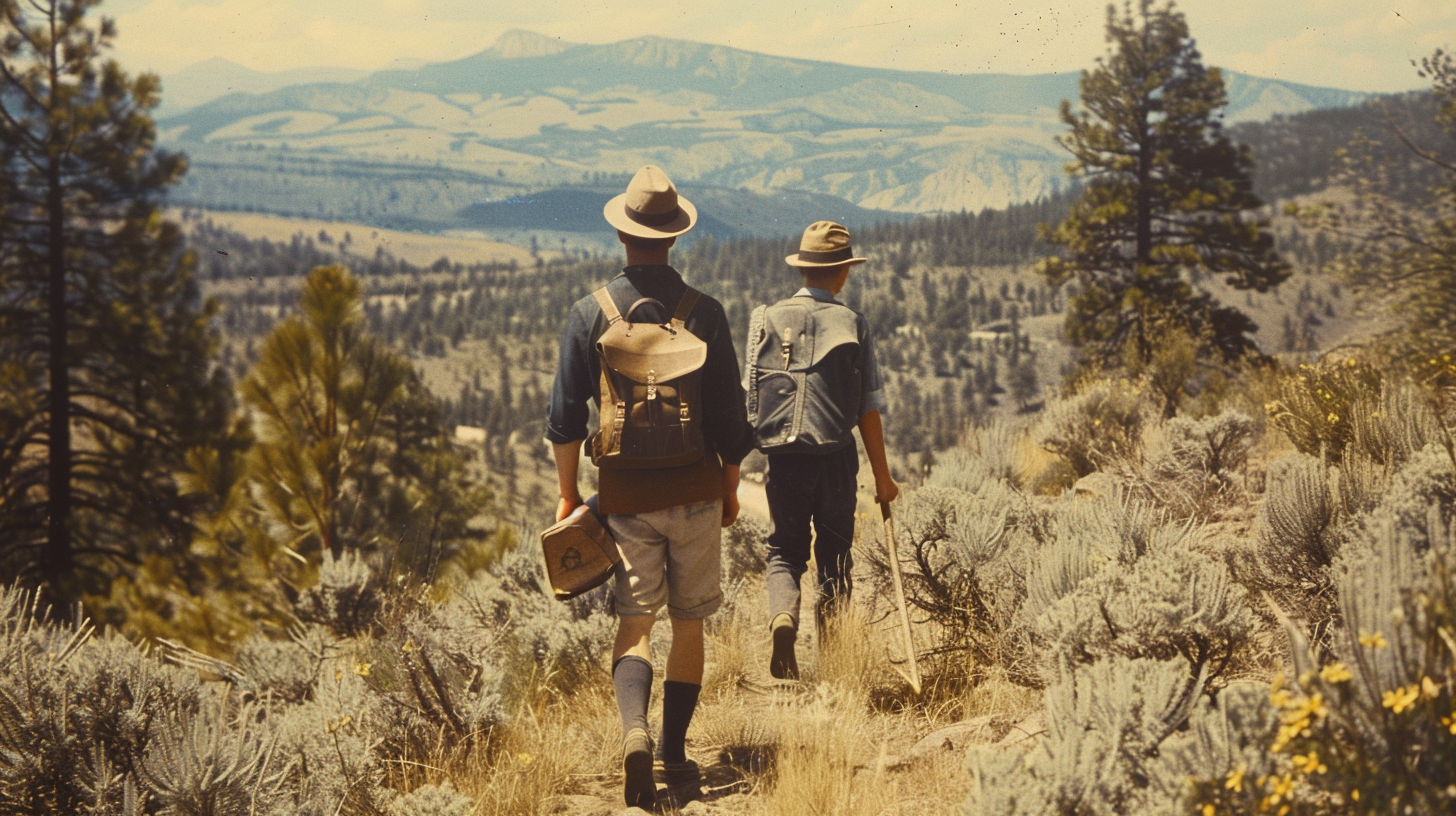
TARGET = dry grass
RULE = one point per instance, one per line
(549, 749)
(828, 758)
(994, 693)
(853, 654)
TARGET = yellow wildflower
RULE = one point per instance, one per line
(1429, 689)
(1235, 781)
(1373, 640)
(1355, 794)
(1335, 673)
(1332, 418)
(362, 669)
(1400, 699)
(1310, 763)
(1208, 810)
(1450, 723)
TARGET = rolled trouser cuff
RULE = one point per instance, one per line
(783, 596)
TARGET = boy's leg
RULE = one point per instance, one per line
(834, 506)
(789, 488)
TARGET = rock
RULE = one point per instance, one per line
(1095, 484)
(978, 731)
(579, 805)
(697, 807)
(1024, 733)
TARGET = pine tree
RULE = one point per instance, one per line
(107, 378)
(1166, 198)
(1399, 256)
(352, 452)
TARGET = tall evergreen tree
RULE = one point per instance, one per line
(1166, 199)
(351, 451)
(107, 379)
(1399, 246)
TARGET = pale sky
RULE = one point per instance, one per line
(1349, 44)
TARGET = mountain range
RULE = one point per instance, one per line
(532, 112)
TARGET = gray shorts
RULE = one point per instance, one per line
(669, 557)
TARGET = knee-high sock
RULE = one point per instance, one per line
(679, 701)
(632, 677)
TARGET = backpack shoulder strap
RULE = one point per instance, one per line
(685, 306)
(609, 307)
(755, 338)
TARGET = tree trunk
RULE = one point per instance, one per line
(56, 558)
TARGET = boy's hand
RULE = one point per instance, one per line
(730, 494)
(730, 508)
(886, 490)
(565, 506)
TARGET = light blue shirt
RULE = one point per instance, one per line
(872, 389)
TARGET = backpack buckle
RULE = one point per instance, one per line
(682, 413)
(651, 385)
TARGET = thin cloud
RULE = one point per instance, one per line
(1341, 43)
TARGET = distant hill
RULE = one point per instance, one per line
(217, 77)
(535, 113)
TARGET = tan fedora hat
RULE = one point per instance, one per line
(825, 243)
(651, 207)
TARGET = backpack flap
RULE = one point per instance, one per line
(651, 411)
(806, 379)
(640, 350)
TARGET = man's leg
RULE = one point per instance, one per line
(789, 490)
(640, 590)
(695, 591)
(632, 679)
(680, 690)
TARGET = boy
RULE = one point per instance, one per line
(813, 380)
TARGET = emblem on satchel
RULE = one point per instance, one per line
(570, 559)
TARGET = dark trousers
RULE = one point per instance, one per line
(805, 490)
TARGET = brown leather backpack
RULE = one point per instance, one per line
(651, 388)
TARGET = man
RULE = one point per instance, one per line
(667, 520)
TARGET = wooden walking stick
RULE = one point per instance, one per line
(914, 676)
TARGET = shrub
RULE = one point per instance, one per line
(1100, 425)
(1197, 469)
(1299, 532)
(1102, 753)
(963, 570)
(744, 545)
(1372, 730)
(1153, 595)
(1316, 404)
(346, 598)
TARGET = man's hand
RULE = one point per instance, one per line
(886, 490)
(565, 506)
(567, 454)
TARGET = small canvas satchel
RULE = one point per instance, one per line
(580, 553)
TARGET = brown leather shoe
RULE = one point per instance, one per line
(782, 664)
(638, 786)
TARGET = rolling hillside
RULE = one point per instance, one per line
(531, 113)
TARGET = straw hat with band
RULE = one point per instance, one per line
(651, 207)
(824, 244)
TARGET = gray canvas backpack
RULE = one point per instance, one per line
(803, 375)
